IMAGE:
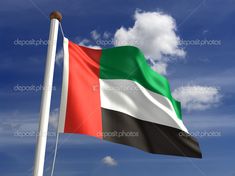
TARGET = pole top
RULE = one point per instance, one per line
(56, 15)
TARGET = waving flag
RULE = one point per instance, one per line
(114, 95)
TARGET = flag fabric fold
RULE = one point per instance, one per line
(113, 94)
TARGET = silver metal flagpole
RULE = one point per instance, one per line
(46, 95)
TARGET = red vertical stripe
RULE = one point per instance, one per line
(83, 114)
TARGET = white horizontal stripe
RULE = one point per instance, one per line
(131, 98)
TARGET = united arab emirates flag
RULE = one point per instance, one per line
(114, 95)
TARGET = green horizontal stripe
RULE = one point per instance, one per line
(128, 62)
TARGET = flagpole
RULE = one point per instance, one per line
(55, 18)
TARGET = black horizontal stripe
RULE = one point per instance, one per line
(151, 137)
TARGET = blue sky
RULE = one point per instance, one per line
(208, 69)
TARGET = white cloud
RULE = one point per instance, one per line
(54, 117)
(95, 35)
(87, 43)
(155, 34)
(109, 161)
(106, 35)
(197, 97)
(160, 67)
(59, 56)
(84, 41)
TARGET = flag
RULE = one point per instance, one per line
(113, 94)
